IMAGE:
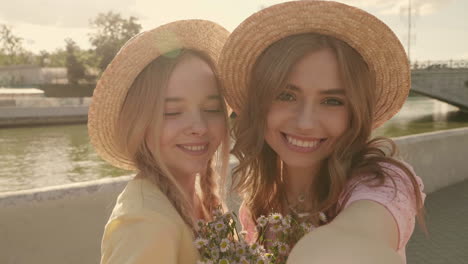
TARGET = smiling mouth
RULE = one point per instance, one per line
(302, 145)
(194, 149)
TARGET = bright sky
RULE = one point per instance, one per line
(440, 26)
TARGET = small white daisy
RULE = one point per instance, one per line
(219, 226)
(224, 245)
(200, 242)
(283, 249)
(223, 261)
(323, 217)
(275, 218)
(262, 221)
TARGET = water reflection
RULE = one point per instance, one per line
(419, 115)
(52, 155)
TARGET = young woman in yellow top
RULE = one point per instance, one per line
(158, 109)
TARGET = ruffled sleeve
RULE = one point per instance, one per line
(398, 197)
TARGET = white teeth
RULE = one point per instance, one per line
(301, 143)
(194, 148)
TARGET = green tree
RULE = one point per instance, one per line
(111, 31)
(75, 67)
(12, 51)
(57, 58)
(43, 58)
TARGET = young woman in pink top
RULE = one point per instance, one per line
(309, 81)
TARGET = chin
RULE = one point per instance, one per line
(301, 162)
(195, 170)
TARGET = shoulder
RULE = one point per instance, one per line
(142, 197)
(399, 182)
(143, 237)
(144, 227)
(403, 173)
(396, 193)
(142, 223)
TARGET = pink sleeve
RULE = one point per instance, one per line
(247, 223)
(402, 204)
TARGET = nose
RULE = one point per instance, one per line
(306, 117)
(197, 124)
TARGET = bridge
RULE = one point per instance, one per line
(446, 81)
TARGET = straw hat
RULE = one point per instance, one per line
(375, 41)
(200, 35)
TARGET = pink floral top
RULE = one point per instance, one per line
(402, 204)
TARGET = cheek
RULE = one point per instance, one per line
(276, 116)
(169, 131)
(339, 122)
(218, 127)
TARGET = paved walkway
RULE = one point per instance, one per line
(447, 222)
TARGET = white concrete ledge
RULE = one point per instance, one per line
(64, 224)
(60, 192)
(440, 158)
(23, 116)
(61, 224)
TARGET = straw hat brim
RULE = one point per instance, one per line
(370, 37)
(200, 35)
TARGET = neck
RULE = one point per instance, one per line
(299, 181)
(187, 183)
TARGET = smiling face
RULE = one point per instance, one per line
(306, 118)
(194, 118)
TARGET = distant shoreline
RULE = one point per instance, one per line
(40, 116)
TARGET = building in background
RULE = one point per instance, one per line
(32, 75)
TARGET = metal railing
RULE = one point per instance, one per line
(439, 64)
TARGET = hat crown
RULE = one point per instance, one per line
(370, 37)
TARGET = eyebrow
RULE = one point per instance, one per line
(295, 88)
(180, 99)
(333, 91)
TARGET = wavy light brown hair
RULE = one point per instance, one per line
(258, 176)
(142, 115)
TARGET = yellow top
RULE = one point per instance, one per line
(145, 228)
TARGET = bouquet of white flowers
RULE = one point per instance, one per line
(219, 242)
(279, 234)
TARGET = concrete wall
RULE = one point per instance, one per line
(64, 224)
(61, 224)
(439, 158)
(17, 116)
(40, 111)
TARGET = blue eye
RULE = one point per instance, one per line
(286, 96)
(333, 101)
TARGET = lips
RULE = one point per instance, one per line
(194, 148)
(302, 144)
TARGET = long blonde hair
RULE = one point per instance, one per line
(143, 110)
(258, 176)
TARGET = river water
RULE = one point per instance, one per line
(32, 157)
